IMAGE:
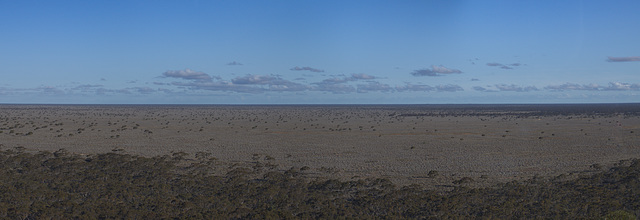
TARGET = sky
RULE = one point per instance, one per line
(319, 52)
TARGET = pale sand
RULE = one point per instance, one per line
(345, 142)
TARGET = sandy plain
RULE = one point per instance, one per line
(431, 145)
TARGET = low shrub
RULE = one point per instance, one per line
(62, 185)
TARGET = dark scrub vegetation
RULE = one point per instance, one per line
(61, 185)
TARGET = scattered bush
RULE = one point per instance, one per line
(64, 185)
(463, 180)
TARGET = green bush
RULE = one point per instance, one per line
(620, 215)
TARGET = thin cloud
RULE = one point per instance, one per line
(449, 88)
(86, 86)
(334, 88)
(353, 77)
(618, 86)
(127, 91)
(246, 84)
(202, 81)
(254, 79)
(444, 70)
(415, 88)
(340, 85)
(123, 91)
(306, 68)
(504, 66)
(623, 59)
(234, 63)
(480, 89)
(612, 86)
(274, 83)
(188, 74)
(287, 86)
(506, 88)
(334, 80)
(572, 86)
(222, 86)
(50, 90)
(144, 90)
(45, 90)
(104, 91)
(435, 71)
(83, 89)
(374, 87)
(362, 76)
(515, 88)
(426, 88)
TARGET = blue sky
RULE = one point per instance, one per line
(319, 52)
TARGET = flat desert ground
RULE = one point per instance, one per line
(430, 145)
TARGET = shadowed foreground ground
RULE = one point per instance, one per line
(61, 185)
